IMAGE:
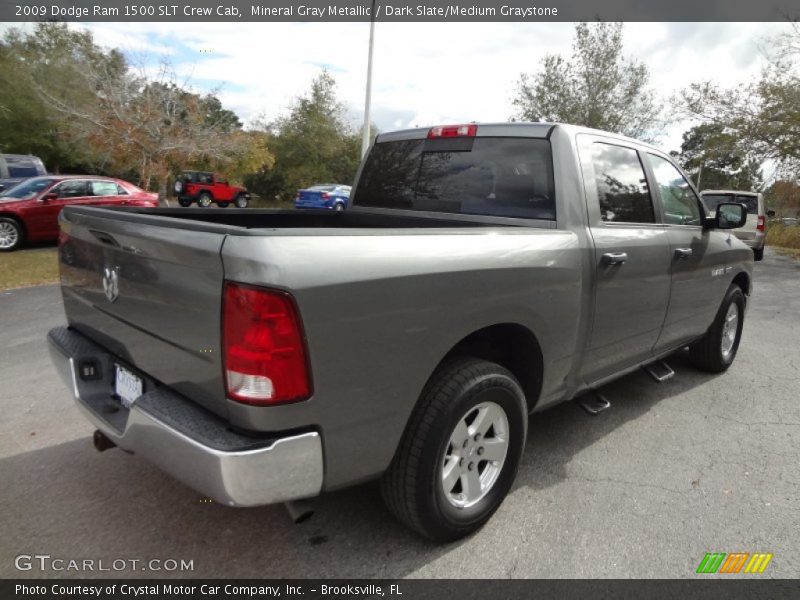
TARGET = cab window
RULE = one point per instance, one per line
(621, 185)
(680, 203)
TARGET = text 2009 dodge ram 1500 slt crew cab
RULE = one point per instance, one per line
(484, 272)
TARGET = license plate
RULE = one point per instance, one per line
(128, 386)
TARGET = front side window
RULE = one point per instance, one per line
(621, 185)
(491, 176)
(681, 206)
(72, 189)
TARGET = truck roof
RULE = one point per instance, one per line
(515, 129)
(739, 192)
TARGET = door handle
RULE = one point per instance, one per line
(614, 258)
(681, 253)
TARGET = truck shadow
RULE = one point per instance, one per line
(69, 501)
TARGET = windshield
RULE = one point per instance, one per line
(504, 177)
(28, 189)
(713, 200)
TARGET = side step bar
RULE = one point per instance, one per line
(660, 371)
(593, 402)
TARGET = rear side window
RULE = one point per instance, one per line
(503, 177)
(104, 188)
(621, 185)
(751, 202)
(22, 170)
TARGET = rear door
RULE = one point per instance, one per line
(103, 192)
(632, 257)
(697, 255)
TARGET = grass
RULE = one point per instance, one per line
(784, 237)
(29, 266)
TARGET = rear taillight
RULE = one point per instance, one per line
(451, 131)
(325, 195)
(265, 356)
(762, 223)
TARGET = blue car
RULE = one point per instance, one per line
(331, 196)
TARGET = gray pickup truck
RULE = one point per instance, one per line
(482, 273)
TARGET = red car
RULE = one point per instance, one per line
(29, 210)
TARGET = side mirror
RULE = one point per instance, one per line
(730, 216)
(50, 196)
(770, 213)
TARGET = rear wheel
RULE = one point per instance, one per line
(339, 208)
(242, 201)
(10, 234)
(460, 452)
(205, 200)
(717, 349)
(758, 254)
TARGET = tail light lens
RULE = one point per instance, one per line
(325, 195)
(762, 223)
(265, 357)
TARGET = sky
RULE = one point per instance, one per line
(424, 73)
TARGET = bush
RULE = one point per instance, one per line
(784, 236)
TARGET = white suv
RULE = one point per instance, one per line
(754, 231)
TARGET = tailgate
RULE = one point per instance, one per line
(150, 292)
(312, 198)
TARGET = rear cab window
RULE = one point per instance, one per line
(491, 176)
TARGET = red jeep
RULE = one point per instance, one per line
(206, 188)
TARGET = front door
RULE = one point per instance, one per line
(44, 216)
(698, 256)
(632, 258)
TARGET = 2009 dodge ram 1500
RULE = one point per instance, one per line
(484, 272)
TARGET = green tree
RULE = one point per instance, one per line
(711, 156)
(763, 117)
(595, 87)
(52, 56)
(312, 144)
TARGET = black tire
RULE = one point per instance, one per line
(758, 254)
(223, 204)
(339, 208)
(242, 201)
(205, 200)
(413, 487)
(185, 202)
(11, 234)
(709, 353)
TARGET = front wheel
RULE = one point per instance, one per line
(10, 234)
(460, 451)
(242, 201)
(184, 202)
(717, 349)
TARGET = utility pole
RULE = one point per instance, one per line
(365, 134)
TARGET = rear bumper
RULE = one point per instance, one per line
(753, 240)
(185, 440)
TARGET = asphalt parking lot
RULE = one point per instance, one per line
(697, 464)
